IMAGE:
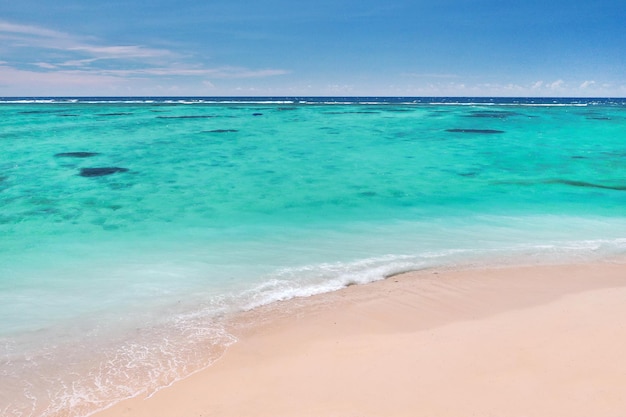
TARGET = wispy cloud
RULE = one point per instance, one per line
(46, 79)
(121, 52)
(556, 85)
(587, 84)
(70, 50)
(44, 65)
(219, 73)
(10, 30)
(40, 56)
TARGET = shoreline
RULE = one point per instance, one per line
(509, 341)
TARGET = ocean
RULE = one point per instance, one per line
(131, 229)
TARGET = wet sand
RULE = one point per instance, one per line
(523, 341)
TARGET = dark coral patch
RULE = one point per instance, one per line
(480, 131)
(221, 131)
(186, 117)
(585, 184)
(40, 111)
(76, 154)
(353, 112)
(100, 172)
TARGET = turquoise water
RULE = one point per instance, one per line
(131, 228)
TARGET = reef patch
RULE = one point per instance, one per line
(76, 154)
(477, 131)
(100, 172)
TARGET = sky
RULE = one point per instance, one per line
(546, 48)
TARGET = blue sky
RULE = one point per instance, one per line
(318, 47)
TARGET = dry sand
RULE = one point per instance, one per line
(529, 341)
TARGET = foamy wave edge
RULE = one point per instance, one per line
(167, 361)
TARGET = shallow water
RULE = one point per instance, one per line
(131, 227)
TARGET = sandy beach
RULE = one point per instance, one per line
(522, 341)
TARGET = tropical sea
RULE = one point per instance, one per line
(131, 229)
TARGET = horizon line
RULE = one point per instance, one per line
(309, 96)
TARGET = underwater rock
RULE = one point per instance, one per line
(100, 172)
(40, 111)
(186, 117)
(353, 112)
(586, 184)
(481, 131)
(76, 154)
(257, 114)
(221, 131)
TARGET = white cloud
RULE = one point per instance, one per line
(235, 72)
(556, 85)
(339, 89)
(16, 36)
(35, 79)
(587, 84)
(114, 82)
(537, 85)
(16, 31)
(36, 56)
(181, 71)
(80, 54)
(45, 65)
(69, 50)
(121, 51)
(27, 29)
